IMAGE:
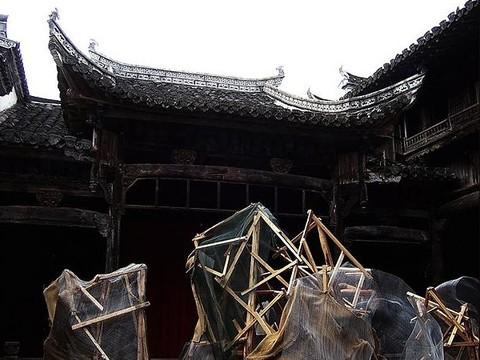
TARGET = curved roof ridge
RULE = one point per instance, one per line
(111, 69)
(62, 39)
(143, 72)
(264, 101)
(408, 86)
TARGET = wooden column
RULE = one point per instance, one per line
(113, 242)
(478, 202)
(252, 298)
(337, 211)
(478, 151)
(116, 211)
(437, 227)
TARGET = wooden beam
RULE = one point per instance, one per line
(55, 216)
(224, 173)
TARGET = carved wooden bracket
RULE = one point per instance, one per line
(49, 198)
(281, 166)
(184, 156)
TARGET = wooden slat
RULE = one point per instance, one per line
(110, 316)
(342, 247)
(269, 277)
(94, 342)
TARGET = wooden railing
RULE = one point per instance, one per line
(440, 129)
(424, 137)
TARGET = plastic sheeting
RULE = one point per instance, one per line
(359, 318)
(456, 293)
(98, 319)
(339, 312)
(220, 311)
(315, 325)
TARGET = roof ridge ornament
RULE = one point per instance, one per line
(349, 81)
(61, 47)
(54, 15)
(315, 97)
(310, 94)
(5, 42)
(92, 45)
(3, 26)
(281, 72)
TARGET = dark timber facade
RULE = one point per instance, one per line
(132, 158)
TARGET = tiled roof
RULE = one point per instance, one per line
(12, 72)
(40, 125)
(407, 62)
(261, 99)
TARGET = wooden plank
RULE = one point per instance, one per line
(357, 291)
(304, 245)
(336, 268)
(324, 246)
(293, 276)
(432, 303)
(274, 274)
(342, 247)
(324, 279)
(94, 342)
(251, 323)
(142, 352)
(90, 297)
(252, 279)
(239, 252)
(227, 260)
(264, 264)
(219, 243)
(210, 270)
(268, 330)
(110, 316)
(459, 320)
(281, 236)
(433, 294)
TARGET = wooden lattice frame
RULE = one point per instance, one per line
(136, 311)
(459, 331)
(263, 278)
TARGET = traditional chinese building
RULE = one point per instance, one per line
(133, 161)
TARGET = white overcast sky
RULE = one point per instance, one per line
(247, 38)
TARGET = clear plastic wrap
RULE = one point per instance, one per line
(98, 319)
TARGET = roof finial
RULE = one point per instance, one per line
(92, 45)
(309, 94)
(3, 26)
(349, 81)
(54, 16)
(281, 73)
